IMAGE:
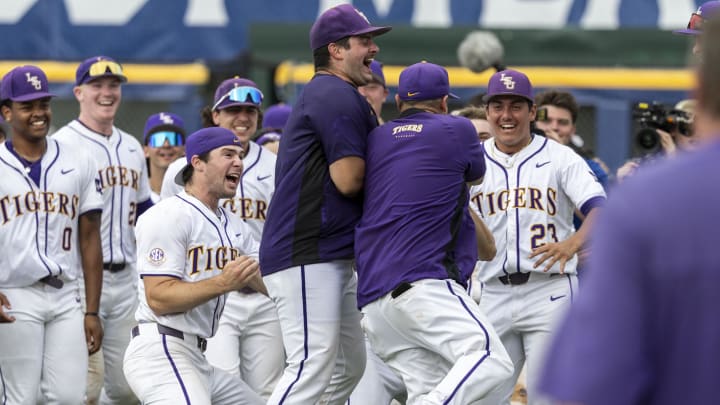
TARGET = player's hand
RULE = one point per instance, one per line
(553, 253)
(550, 133)
(238, 273)
(666, 142)
(93, 333)
(4, 316)
(257, 284)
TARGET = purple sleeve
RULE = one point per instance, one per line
(343, 124)
(602, 342)
(144, 206)
(473, 149)
(594, 202)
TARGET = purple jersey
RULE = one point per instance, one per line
(308, 220)
(415, 222)
(645, 329)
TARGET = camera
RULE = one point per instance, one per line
(653, 116)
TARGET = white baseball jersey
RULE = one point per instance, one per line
(124, 180)
(39, 222)
(527, 199)
(199, 246)
(257, 186)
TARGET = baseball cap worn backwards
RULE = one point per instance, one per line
(24, 83)
(339, 22)
(424, 81)
(205, 140)
(237, 92)
(97, 67)
(164, 126)
(509, 83)
(706, 11)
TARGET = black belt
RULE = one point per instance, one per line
(247, 290)
(515, 278)
(114, 267)
(52, 281)
(166, 330)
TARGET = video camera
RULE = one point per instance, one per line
(654, 116)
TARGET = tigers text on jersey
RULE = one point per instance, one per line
(257, 186)
(528, 199)
(199, 246)
(123, 177)
(39, 222)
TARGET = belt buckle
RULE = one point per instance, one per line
(52, 281)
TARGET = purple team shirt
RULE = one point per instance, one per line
(646, 329)
(415, 222)
(308, 220)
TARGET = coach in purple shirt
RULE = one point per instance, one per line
(416, 247)
(307, 247)
(645, 329)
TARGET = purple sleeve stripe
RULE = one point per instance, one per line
(160, 275)
(592, 203)
(144, 206)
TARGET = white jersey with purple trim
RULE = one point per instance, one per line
(199, 246)
(39, 223)
(256, 188)
(527, 199)
(123, 177)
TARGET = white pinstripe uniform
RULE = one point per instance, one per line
(39, 234)
(123, 177)
(528, 199)
(249, 326)
(170, 367)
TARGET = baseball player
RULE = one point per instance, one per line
(248, 342)
(121, 165)
(164, 143)
(186, 275)
(50, 210)
(416, 248)
(307, 246)
(531, 189)
(707, 10)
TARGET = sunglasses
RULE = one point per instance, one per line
(102, 67)
(242, 94)
(696, 22)
(158, 139)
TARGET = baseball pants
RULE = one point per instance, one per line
(163, 369)
(320, 323)
(45, 346)
(524, 317)
(248, 342)
(379, 383)
(435, 336)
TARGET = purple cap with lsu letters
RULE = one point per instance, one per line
(163, 121)
(339, 22)
(509, 83)
(97, 67)
(205, 140)
(222, 99)
(25, 83)
(707, 10)
(424, 81)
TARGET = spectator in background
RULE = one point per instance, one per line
(478, 117)
(273, 121)
(376, 92)
(164, 143)
(3, 130)
(697, 20)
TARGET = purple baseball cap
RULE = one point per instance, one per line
(97, 67)
(206, 140)
(339, 22)
(276, 116)
(24, 83)
(509, 83)
(271, 136)
(424, 81)
(707, 10)
(377, 71)
(163, 121)
(237, 92)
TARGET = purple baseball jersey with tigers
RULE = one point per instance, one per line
(308, 220)
(417, 226)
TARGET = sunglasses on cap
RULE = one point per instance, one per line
(242, 94)
(158, 139)
(696, 22)
(101, 67)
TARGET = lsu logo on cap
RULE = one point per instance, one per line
(34, 81)
(156, 256)
(507, 81)
(360, 13)
(166, 119)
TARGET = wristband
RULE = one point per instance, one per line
(91, 314)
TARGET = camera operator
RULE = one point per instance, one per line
(663, 133)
